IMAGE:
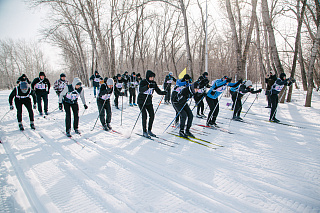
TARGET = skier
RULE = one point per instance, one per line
(23, 77)
(167, 86)
(41, 85)
(237, 94)
(125, 78)
(133, 84)
(217, 88)
(118, 83)
(180, 84)
(180, 104)
(146, 89)
(139, 77)
(59, 85)
(96, 78)
(21, 95)
(69, 97)
(103, 102)
(270, 81)
(198, 97)
(275, 90)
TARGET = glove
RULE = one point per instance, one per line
(251, 89)
(11, 107)
(260, 90)
(34, 106)
(58, 93)
(152, 85)
(229, 80)
(60, 106)
(85, 106)
(48, 92)
(293, 80)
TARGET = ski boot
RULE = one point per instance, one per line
(203, 116)
(46, 113)
(151, 134)
(268, 107)
(145, 134)
(32, 126)
(68, 134)
(21, 127)
(131, 104)
(105, 127)
(77, 131)
(117, 107)
(189, 134)
(134, 104)
(109, 126)
(199, 116)
(182, 134)
(41, 113)
(274, 120)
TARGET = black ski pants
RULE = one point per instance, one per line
(132, 97)
(274, 104)
(237, 105)
(214, 110)
(44, 96)
(27, 103)
(173, 96)
(268, 97)
(184, 114)
(144, 109)
(199, 100)
(75, 110)
(116, 99)
(104, 107)
(167, 87)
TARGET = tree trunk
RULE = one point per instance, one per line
(296, 46)
(272, 40)
(302, 67)
(311, 68)
(261, 65)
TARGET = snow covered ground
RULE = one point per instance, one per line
(262, 167)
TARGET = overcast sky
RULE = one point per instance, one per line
(18, 21)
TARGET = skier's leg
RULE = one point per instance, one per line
(189, 115)
(68, 116)
(19, 110)
(39, 103)
(45, 101)
(216, 111)
(151, 116)
(101, 111)
(108, 109)
(144, 117)
(28, 105)
(211, 107)
(75, 109)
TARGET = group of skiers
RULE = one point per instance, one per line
(183, 91)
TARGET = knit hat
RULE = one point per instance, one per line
(133, 73)
(248, 83)
(24, 86)
(42, 74)
(282, 76)
(62, 75)
(110, 81)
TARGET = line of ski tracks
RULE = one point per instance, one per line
(97, 192)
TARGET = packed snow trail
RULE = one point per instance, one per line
(262, 167)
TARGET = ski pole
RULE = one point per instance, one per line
(138, 116)
(99, 114)
(121, 110)
(235, 104)
(161, 100)
(251, 105)
(197, 103)
(5, 115)
(176, 116)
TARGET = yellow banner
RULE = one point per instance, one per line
(183, 73)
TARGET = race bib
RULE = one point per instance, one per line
(62, 86)
(119, 85)
(221, 89)
(179, 89)
(149, 91)
(200, 90)
(278, 87)
(97, 79)
(40, 86)
(106, 96)
(169, 82)
(72, 96)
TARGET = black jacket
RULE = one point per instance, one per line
(146, 92)
(94, 78)
(278, 85)
(36, 81)
(20, 96)
(169, 78)
(133, 81)
(104, 90)
(184, 95)
(243, 90)
(117, 82)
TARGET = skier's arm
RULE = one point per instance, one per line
(34, 82)
(63, 93)
(159, 91)
(144, 86)
(182, 96)
(103, 90)
(91, 78)
(56, 85)
(116, 90)
(49, 85)
(219, 84)
(82, 97)
(34, 97)
(11, 96)
(174, 79)
(235, 84)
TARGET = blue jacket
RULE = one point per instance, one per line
(218, 87)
